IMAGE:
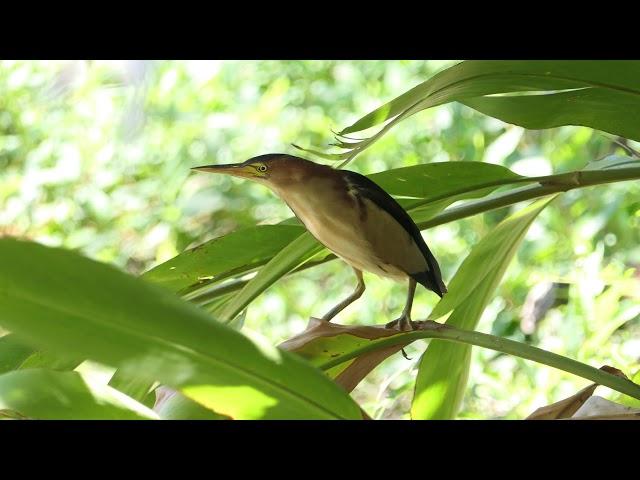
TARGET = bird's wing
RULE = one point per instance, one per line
(367, 188)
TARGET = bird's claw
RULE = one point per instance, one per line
(402, 324)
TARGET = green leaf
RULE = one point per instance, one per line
(443, 179)
(13, 352)
(137, 388)
(97, 312)
(171, 405)
(479, 78)
(611, 111)
(289, 258)
(48, 395)
(237, 250)
(423, 211)
(626, 399)
(482, 77)
(444, 368)
(51, 361)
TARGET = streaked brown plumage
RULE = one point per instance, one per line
(353, 217)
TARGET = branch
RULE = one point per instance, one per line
(552, 184)
(431, 329)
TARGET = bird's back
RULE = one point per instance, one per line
(429, 276)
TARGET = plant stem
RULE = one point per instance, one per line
(430, 329)
(552, 184)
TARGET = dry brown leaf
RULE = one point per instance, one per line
(360, 367)
(623, 416)
(566, 408)
(319, 328)
(601, 408)
(351, 376)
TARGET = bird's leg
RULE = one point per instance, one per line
(404, 323)
(357, 293)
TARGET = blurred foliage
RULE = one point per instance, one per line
(95, 156)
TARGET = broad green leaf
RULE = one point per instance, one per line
(97, 312)
(615, 112)
(482, 77)
(442, 179)
(444, 367)
(48, 395)
(13, 352)
(242, 248)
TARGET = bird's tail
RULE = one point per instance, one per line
(431, 279)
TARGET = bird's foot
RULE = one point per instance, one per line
(402, 324)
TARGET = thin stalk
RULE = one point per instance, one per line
(430, 329)
(552, 184)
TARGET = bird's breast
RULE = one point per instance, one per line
(355, 229)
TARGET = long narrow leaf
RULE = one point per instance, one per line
(13, 352)
(474, 79)
(444, 368)
(611, 111)
(242, 248)
(293, 255)
(511, 76)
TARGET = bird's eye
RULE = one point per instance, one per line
(262, 168)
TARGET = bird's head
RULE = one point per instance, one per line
(273, 170)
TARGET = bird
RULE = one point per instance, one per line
(353, 217)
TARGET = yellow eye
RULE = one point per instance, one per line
(262, 168)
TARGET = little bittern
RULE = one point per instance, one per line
(351, 216)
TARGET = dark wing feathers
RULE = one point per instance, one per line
(432, 278)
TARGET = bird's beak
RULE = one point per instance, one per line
(237, 170)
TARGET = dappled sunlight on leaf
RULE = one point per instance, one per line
(44, 394)
(172, 405)
(152, 335)
(241, 401)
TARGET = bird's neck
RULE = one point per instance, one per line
(311, 197)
